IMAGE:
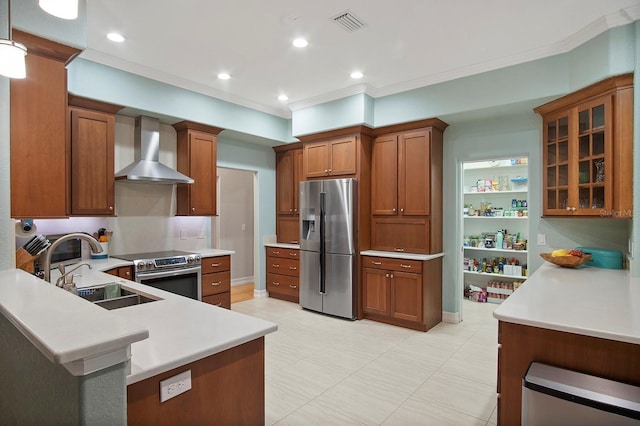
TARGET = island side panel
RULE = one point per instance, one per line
(520, 345)
(227, 388)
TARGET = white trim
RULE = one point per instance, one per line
(451, 317)
(91, 364)
(260, 294)
(241, 281)
(334, 96)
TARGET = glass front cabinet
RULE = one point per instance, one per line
(587, 151)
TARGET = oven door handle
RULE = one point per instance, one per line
(163, 274)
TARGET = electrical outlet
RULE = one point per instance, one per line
(542, 239)
(174, 386)
(243, 227)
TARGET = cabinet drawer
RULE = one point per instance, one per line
(283, 252)
(283, 284)
(278, 265)
(218, 282)
(216, 264)
(401, 265)
(223, 300)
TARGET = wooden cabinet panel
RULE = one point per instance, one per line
(401, 234)
(407, 293)
(122, 272)
(283, 266)
(414, 183)
(288, 229)
(284, 183)
(92, 169)
(332, 158)
(197, 159)
(288, 176)
(406, 289)
(587, 143)
(215, 283)
(376, 297)
(283, 252)
(283, 274)
(222, 300)
(384, 176)
(39, 147)
(227, 388)
(216, 264)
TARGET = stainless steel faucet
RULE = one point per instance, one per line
(61, 279)
(93, 243)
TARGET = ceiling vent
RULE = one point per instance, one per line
(348, 21)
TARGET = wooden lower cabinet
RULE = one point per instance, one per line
(226, 389)
(519, 345)
(283, 273)
(216, 281)
(122, 272)
(407, 293)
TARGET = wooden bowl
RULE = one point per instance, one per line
(566, 261)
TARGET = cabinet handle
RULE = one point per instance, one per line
(219, 305)
(216, 283)
(398, 249)
(294, 242)
(393, 210)
(571, 209)
(293, 268)
(275, 283)
(293, 286)
(110, 208)
(499, 345)
(376, 263)
(128, 273)
(405, 266)
(275, 252)
(215, 265)
(329, 170)
(293, 254)
(275, 265)
(326, 170)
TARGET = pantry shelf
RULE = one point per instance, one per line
(490, 274)
(497, 217)
(494, 249)
(496, 192)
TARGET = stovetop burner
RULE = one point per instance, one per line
(152, 255)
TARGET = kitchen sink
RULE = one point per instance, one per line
(113, 296)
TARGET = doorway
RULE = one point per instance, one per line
(234, 227)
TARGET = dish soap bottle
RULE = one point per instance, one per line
(499, 237)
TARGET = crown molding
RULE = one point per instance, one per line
(357, 89)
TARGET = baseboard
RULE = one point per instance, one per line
(259, 294)
(241, 281)
(451, 317)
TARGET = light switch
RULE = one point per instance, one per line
(542, 239)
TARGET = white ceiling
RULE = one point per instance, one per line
(405, 44)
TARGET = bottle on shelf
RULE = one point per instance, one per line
(499, 238)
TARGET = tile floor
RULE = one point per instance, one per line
(326, 371)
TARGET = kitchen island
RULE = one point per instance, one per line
(584, 319)
(165, 337)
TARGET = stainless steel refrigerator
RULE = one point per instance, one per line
(328, 243)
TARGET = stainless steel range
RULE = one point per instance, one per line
(174, 271)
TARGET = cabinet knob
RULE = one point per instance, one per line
(391, 276)
(290, 210)
(573, 209)
(193, 209)
(128, 273)
(393, 210)
(402, 210)
(329, 170)
(387, 275)
(110, 208)
(326, 170)
(295, 210)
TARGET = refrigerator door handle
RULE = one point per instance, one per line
(322, 243)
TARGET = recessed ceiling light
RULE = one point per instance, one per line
(224, 76)
(356, 75)
(118, 38)
(283, 98)
(300, 42)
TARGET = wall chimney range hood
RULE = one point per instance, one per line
(147, 168)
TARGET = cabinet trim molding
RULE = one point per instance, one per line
(80, 102)
(192, 125)
(45, 48)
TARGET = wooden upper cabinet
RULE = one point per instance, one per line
(331, 158)
(288, 176)
(400, 182)
(92, 152)
(39, 145)
(587, 151)
(197, 159)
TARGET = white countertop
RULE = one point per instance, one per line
(214, 252)
(283, 245)
(179, 330)
(400, 255)
(595, 302)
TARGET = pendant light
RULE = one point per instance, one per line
(65, 9)
(12, 54)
